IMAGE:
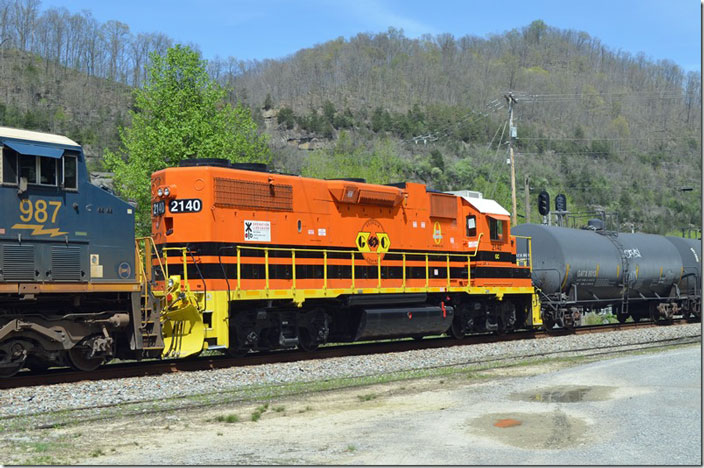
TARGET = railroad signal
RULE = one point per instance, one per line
(544, 203)
(561, 202)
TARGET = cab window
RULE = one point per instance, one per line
(471, 226)
(9, 166)
(47, 171)
(70, 172)
(28, 169)
(496, 230)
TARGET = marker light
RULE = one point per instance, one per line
(167, 191)
(160, 192)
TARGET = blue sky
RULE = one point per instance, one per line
(261, 29)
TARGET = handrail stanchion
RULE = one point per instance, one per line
(378, 270)
(239, 272)
(447, 257)
(293, 270)
(266, 270)
(403, 284)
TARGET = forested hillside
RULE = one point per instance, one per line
(608, 129)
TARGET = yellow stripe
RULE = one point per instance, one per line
(564, 281)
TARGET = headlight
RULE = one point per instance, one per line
(167, 192)
(160, 192)
(171, 283)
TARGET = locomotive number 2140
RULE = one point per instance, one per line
(185, 205)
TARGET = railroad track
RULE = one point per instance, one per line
(159, 367)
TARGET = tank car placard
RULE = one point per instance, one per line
(257, 231)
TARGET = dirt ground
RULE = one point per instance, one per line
(439, 420)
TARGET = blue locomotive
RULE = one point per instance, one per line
(69, 282)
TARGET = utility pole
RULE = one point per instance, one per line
(512, 134)
(526, 191)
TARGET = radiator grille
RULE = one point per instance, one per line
(443, 206)
(66, 263)
(231, 193)
(376, 197)
(18, 262)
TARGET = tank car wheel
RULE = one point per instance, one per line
(622, 318)
(305, 341)
(77, 358)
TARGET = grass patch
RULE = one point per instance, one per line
(279, 409)
(96, 453)
(351, 448)
(257, 413)
(367, 397)
(41, 460)
(592, 318)
(230, 418)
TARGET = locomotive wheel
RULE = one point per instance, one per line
(37, 364)
(10, 371)
(548, 324)
(78, 359)
(305, 342)
(456, 330)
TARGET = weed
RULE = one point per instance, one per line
(279, 409)
(219, 433)
(96, 453)
(351, 448)
(230, 418)
(367, 397)
(442, 382)
(257, 414)
(40, 446)
(40, 460)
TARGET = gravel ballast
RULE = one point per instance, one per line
(33, 400)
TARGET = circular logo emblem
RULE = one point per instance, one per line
(372, 241)
(124, 270)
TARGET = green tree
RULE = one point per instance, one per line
(268, 102)
(286, 117)
(180, 113)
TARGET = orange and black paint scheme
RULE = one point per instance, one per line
(261, 260)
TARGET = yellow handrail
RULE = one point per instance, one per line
(424, 256)
(529, 260)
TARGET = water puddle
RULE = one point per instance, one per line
(565, 394)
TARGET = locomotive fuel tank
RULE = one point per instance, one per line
(597, 264)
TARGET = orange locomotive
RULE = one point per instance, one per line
(260, 260)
